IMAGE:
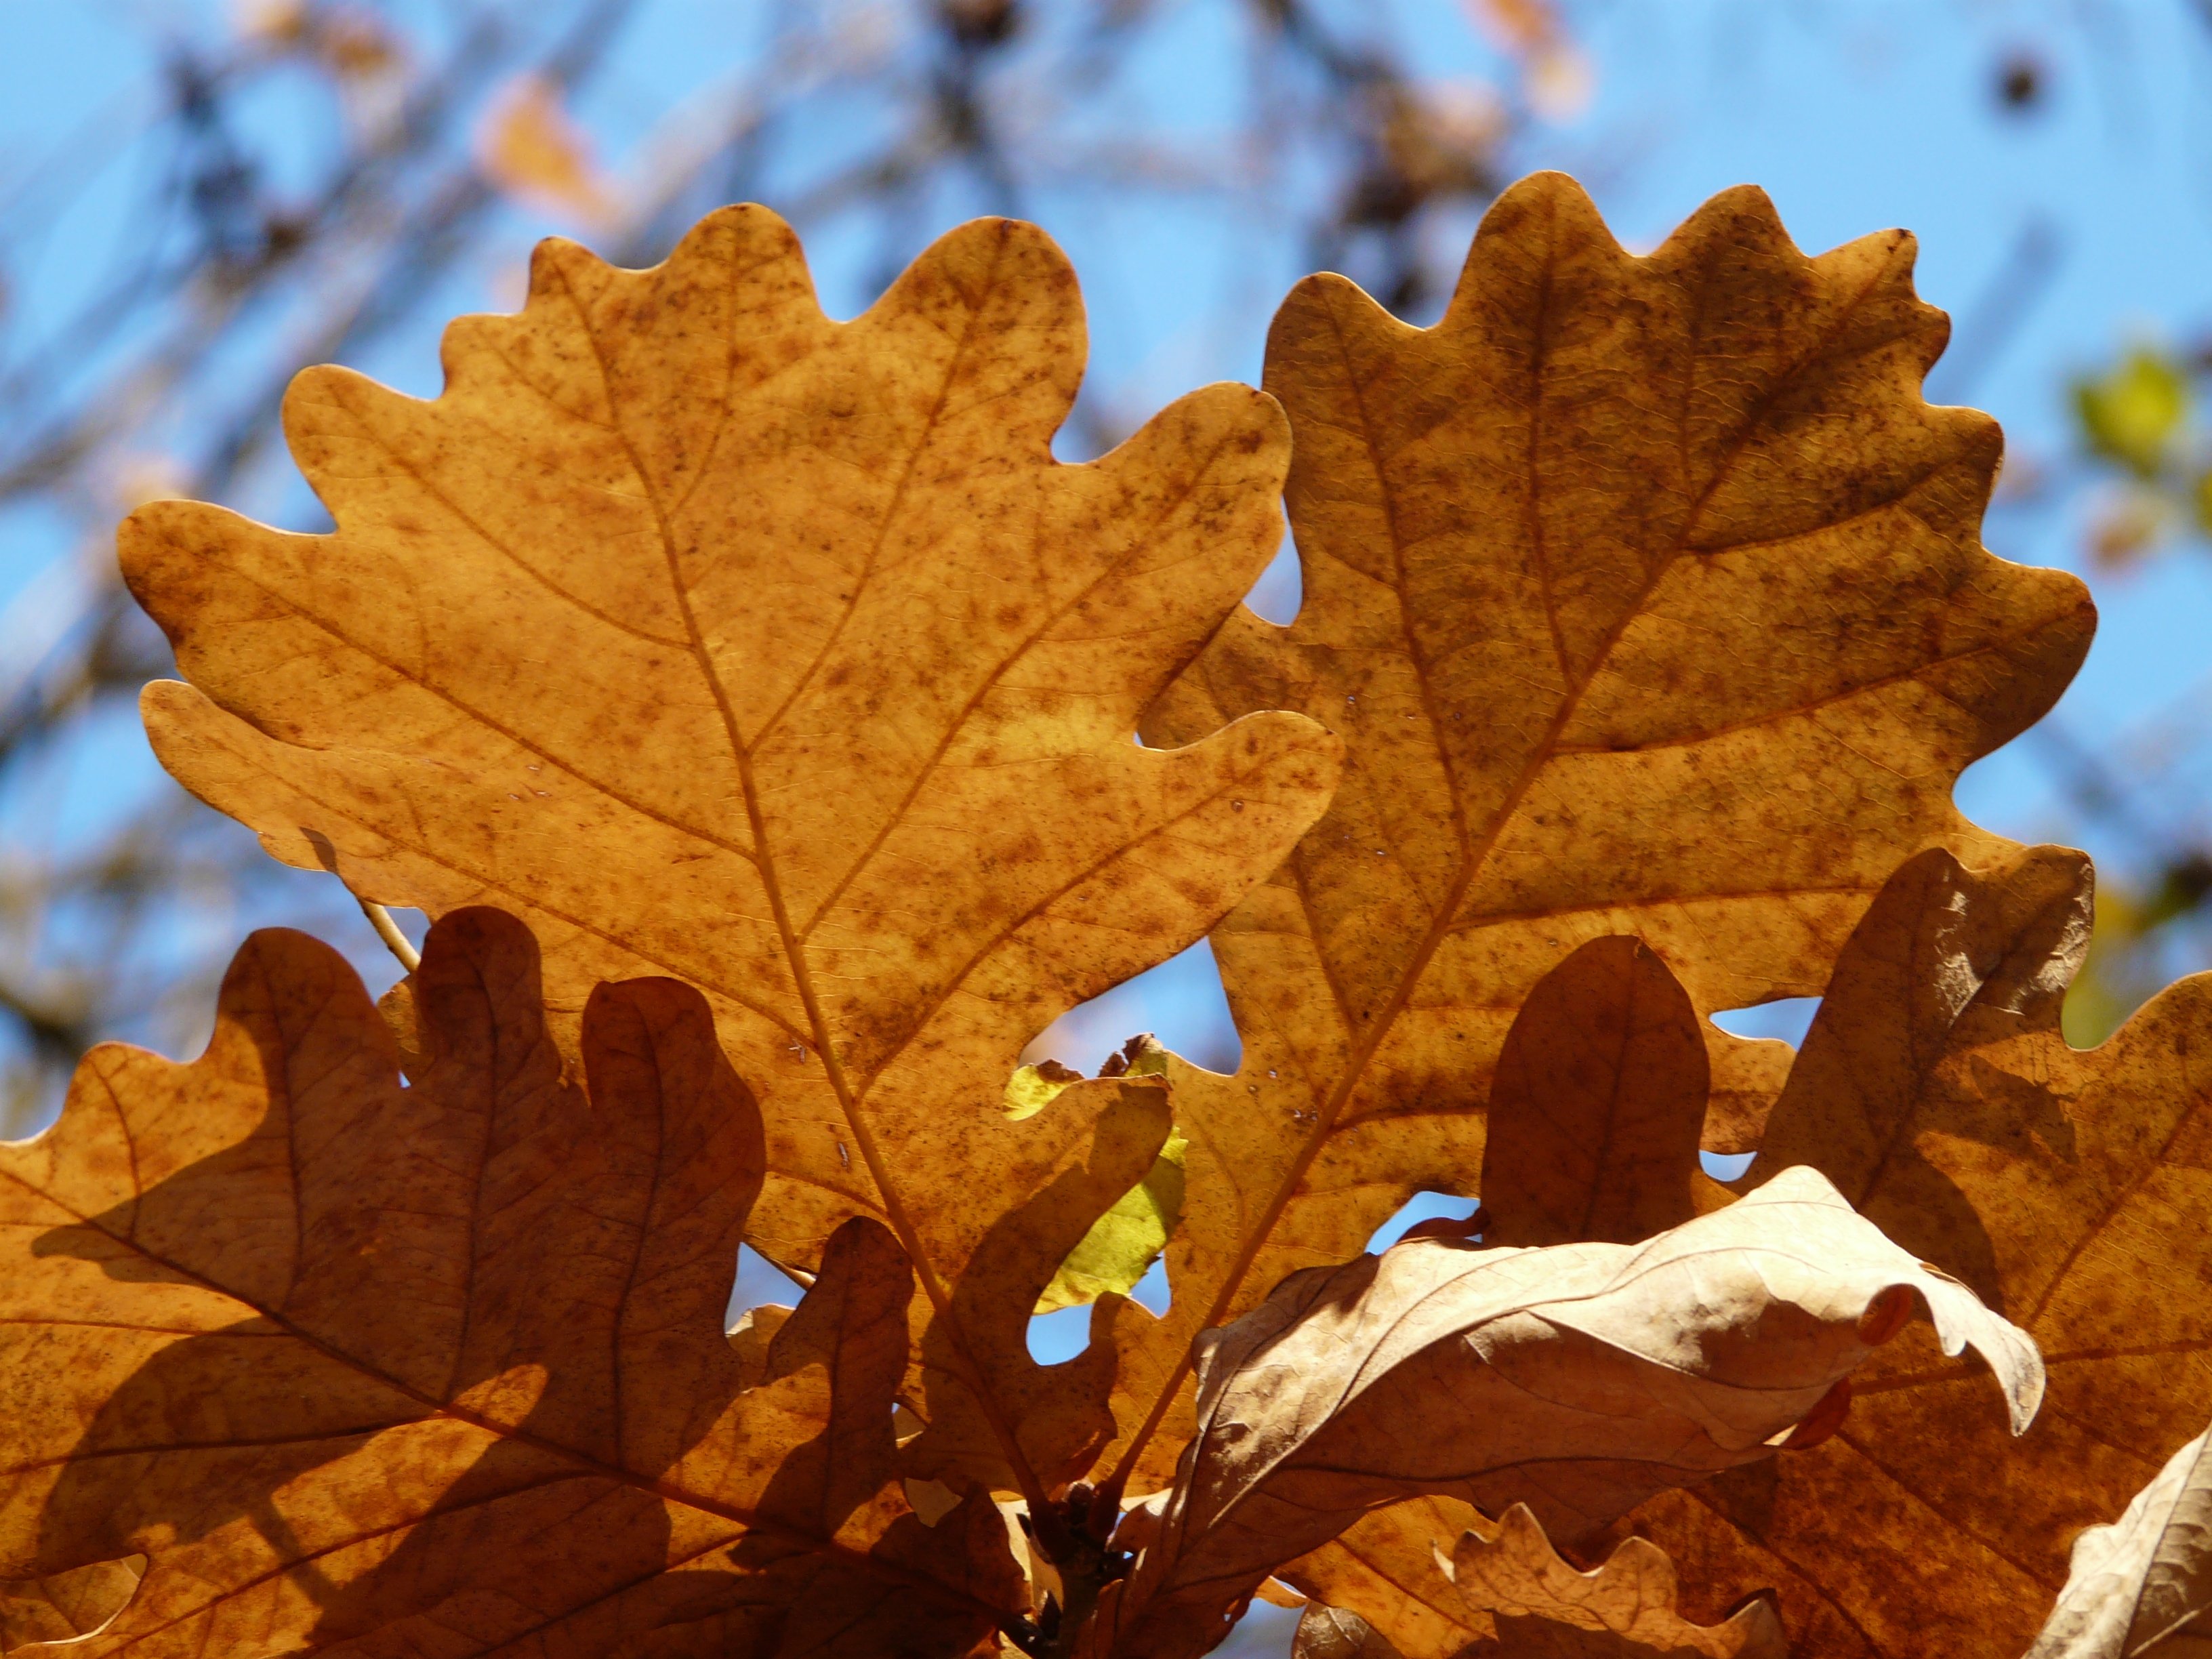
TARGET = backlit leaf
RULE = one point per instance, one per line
(2072, 1189)
(721, 640)
(2143, 1584)
(1648, 598)
(1546, 1609)
(441, 1367)
(1577, 1379)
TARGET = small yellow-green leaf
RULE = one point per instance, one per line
(2133, 414)
(1030, 1089)
(1123, 1244)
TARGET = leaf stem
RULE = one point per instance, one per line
(388, 931)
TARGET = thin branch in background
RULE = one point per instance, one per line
(1993, 321)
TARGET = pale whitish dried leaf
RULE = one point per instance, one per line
(1579, 1379)
(1333, 1633)
(2145, 1581)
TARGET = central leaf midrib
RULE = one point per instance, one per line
(794, 949)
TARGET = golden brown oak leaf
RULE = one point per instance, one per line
(2072, 1189)
(1385, 1581)
(1578, 1379)
(1648, 598)
(1625, 1609)
(718, 640)
(387, 1370)
(1382, 1570)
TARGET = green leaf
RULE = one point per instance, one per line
(2133, 414)
(1123, 1244)
(1031, 1089)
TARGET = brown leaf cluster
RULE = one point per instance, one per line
(2069, 1189)
(2073, 1189)
(1574, 1380)
(718, 639)
(1646, 628)
(437, 1365)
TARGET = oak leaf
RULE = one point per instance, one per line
(718, 640)
(1578, 1379)
(440, 1366)
(67, 1606)
(1326, 1633)
(1382, 1570)
(1647, 595)
(2072, 1189)
(1392, 1586)
(1546, 1609)
(2143, 1584)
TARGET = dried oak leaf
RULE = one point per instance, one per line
(1326, 1632)
(441, 1367)
(1546, 1609)
(2072, 1189)
(1648, 598)
(1592, 1135)
(718, 640)
(1578, 1379)
(2143, 1584)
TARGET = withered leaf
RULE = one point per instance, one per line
(1578, 1379)
(718, 640)
(1546, 1609)
(2143, 1584)
(1385, 1581)
(1326, 1633)
(1596, 1105)
(1647, 595)
(441, 1366)
(2072, 1189)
